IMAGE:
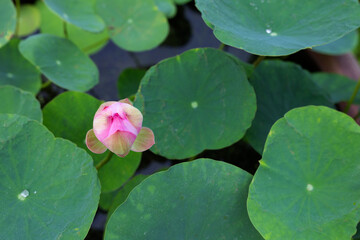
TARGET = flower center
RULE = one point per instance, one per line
(120, 123)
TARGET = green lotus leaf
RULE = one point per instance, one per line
(15, 101)
(80, 13)
(49, 187)
(341, 46)
(129, 81)
(304, 187)
(273, 28)
(29, 20)
(15, 70)
(207, 104)
(124, 192)
(7, 21)
(280, 86)
(87, 41)
(61, 61)
(134, 25)
(202, 199)
(168, 7)
(340, 88)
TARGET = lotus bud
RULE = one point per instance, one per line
(118, 127)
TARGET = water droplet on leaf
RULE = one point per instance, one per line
(309, 187)
(194, 104)
(269, 31)
(23, 195)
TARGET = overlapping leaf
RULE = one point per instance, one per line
(7, 21)
(45, 181)
(203, 199)
(305, 187)
(273, 28)
(208, 104)
(135, 25)
(168, 7)
(15, 101)
(129, 81)
(340, 88)
(60, 61)
(87, 41)
(280, 87)
(81, 13)
(16, 70)
(29, 20)
(341, 46)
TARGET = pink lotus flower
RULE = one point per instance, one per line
(118, 127)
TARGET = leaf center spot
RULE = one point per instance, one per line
(10, 75)
(194, 104)
(58, 62)
(23, 195)
(309, 187)
(130, 21)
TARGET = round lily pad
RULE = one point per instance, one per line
(81, 13)
(305, 187)
(7, 21)
(29, 20)
(49, 187)
(16, 70)
(61, 61)
(339, 87)
(134, 25)
(70, 115)
(202, 199)
(341, 46)
(168, 7)
(129, 81)
(15, 101)
(280, 86)
(87, 41)
(273, 28)
(198, 100)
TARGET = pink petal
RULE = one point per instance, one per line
(121, 124)
(101, 126)
(93, 143)
(104, 107)
(101, 123)
(134, 116)
(144, 140)
(120, 142)
(126, 100)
